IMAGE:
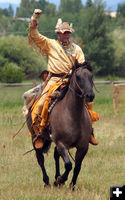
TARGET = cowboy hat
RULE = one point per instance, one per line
(62, 27)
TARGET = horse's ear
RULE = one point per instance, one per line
(89, 66)
(89, 62)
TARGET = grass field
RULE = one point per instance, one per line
(20, 176)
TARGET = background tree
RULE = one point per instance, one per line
(121, 9)
(26, 8)
(70, 6)
(5, 12)
(98, 45)
(10, 11)
(11, 73)
(120, 19)
(50, 10)
(15, 49)
(41, 4)
(5, 24)
(88, 3)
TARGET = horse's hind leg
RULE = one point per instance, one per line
(40, 159)
(56, 157)
(80, 154)
(68, 165)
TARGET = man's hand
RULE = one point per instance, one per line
(36, 14)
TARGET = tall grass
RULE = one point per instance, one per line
(20, 176)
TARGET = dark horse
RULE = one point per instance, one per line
(70, 125)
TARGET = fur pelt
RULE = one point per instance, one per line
(30, 96)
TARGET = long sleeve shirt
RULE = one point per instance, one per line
(58, 60)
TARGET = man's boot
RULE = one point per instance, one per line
(37, 137)
(92, 139)
(37, 142)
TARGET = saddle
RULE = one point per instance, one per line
(52, 98)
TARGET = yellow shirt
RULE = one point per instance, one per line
(58, 61)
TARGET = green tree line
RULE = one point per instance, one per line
(93, 32)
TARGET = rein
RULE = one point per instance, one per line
(82, 95)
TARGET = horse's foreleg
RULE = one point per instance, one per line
(68, 165)
(56, 157)
(80, 154)
(40, 159)
(57, 174)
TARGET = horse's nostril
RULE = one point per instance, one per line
(89, 98)
(92, 96)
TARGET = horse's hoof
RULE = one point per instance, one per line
(47, 185)
(72, 187)
(59, 181)
(55, 184)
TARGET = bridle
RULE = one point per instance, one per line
(82, 95)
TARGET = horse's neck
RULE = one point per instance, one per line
(74, 103)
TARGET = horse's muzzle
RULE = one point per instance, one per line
(89, 97)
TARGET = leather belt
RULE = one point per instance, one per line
(60, 75)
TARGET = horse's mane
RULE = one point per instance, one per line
(86, 65)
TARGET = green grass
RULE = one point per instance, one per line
(20, 176)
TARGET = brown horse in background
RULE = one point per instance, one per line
(70, 125)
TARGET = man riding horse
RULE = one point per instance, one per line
(61, 55)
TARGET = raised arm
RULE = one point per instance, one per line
(41, 41)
